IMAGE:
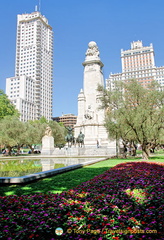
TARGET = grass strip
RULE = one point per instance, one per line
(68, 180)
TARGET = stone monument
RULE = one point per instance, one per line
(47, 142)
(90, 119)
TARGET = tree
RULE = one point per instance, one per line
(16, 133)
(58, 132)
(34, 132)
(6, 107)
(43, 120)
(12, 132)
(134, 113)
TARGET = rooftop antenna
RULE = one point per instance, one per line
(39, 5)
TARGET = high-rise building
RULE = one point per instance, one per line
(138, 63)
(34, 60)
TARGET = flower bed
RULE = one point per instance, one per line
(126, 202)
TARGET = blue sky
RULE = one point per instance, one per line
(112, 24)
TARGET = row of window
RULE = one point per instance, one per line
(141, 74)
(15, 83)
(138, 68)
(138, 52)
(160, 73)
(31, 16)
(15, 80)
(130, 65)
(139, 59)
(161, 80)
(14, 88)
(159, 77)
(14, 96)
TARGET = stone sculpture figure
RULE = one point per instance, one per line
(89, 113)
(47, 142)
(92, 50)
(48, 131)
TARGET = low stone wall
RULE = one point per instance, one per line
(85, 151)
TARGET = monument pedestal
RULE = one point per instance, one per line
(90, 119)
(47, 145)
(87, 151)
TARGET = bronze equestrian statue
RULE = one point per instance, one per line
(69, 138)
(80, 139)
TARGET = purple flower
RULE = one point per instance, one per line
(127, 196)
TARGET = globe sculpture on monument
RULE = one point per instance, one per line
(90, 119)
(47, 142)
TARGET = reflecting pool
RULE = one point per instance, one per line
(22, 167)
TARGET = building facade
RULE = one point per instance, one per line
(20, 91)
(69, 120)
(138, 63)
(34, 60)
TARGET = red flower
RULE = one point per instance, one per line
(129, 228)
(112, 220)
(31, 236)
(143, 222)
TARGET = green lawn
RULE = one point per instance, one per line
(68, 180)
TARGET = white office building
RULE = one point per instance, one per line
(33, 67)
(138, 63)
(20, 91)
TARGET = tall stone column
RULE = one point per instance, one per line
(90, 119)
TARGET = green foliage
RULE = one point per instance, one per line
(43, 120)
(12, 132)
(34, 132)
(58, 132)
(6, 107)
(16, 133)
(134, 113)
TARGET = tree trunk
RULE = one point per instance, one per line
(32, 149)
(134, 147)
(124, 150)
(145, 151)
(133, 151)
(18, 149)
(9, 150)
